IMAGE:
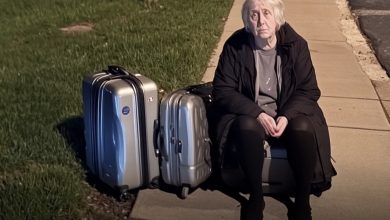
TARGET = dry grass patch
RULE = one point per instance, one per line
(78, 28)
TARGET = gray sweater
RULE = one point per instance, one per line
(268, 79)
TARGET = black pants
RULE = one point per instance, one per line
(247, 134)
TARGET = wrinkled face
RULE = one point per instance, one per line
(262, 20)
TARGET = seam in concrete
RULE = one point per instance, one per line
(355, 128)
(327, 41)
(345, 97)
(367, 12)
(387, 114)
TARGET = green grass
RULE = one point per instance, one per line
(41, 69)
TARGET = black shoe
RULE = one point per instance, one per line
(252, 210)
(301, 213)
(290, 214)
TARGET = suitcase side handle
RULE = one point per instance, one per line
(156, 138)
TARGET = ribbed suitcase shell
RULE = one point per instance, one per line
(185, 152)
(119, 115)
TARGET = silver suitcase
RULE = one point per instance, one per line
(119, 114)
(185, 143)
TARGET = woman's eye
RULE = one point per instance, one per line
(254, 16)
(266, 12)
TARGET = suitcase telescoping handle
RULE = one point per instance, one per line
(118, 70)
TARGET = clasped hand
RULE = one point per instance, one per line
(272, 127)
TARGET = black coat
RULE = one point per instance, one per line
(234, 90)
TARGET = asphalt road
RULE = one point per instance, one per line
(374, 21)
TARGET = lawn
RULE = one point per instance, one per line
(42, 173)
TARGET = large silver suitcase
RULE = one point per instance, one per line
(185, 145)
(119, 114)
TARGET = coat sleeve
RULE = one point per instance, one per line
(226, 82)
(306, 94)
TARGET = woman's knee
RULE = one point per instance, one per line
(300, 131)
(247, 123)
(300, 124)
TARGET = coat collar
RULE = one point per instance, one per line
(286, 35)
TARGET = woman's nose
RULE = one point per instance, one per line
(260, 21)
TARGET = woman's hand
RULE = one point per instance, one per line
(272, 127)
(281, 124)
(268, 123)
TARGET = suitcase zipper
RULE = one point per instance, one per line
(142, 128)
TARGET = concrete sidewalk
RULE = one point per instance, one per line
(359, 128)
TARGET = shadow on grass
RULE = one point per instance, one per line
(72, 130)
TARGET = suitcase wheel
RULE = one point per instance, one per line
(155, 183)
(125, 196)
(184, 192)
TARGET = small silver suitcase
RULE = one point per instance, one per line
(185, 142)
(119, 114)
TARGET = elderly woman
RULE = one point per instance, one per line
(265, 88)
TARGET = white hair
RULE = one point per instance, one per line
(276, 5)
